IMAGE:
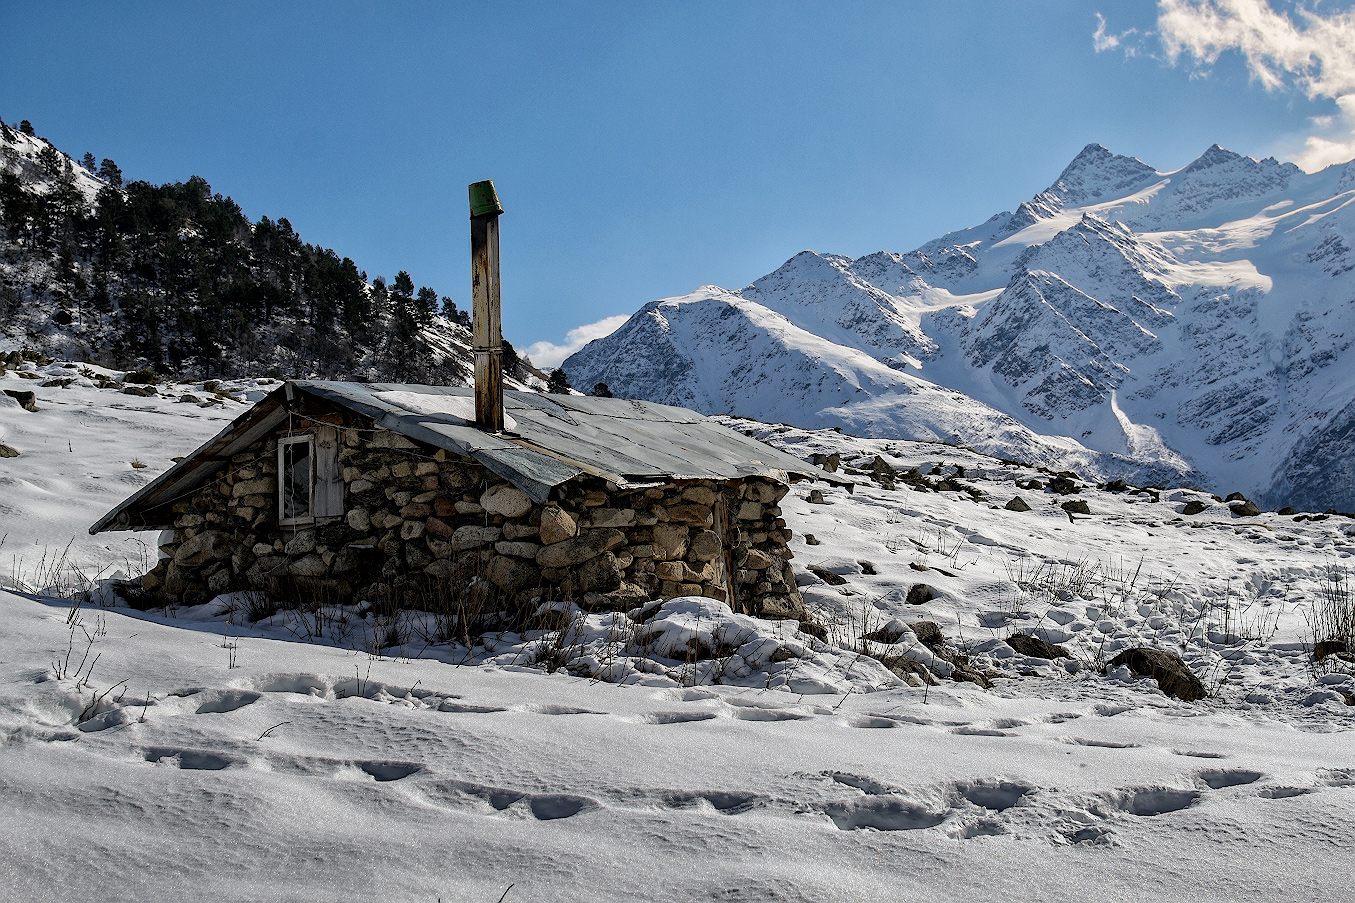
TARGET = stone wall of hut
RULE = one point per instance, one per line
(417, 519)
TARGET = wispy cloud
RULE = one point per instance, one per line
(1103, 40)
(549, 354)
(1308, 51)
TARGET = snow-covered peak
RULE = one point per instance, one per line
(1096, 174)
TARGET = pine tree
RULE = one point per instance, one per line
(109, 172)
(26, 127)
(558, 382)
(425, 305)
(601, 391)
(87, 161)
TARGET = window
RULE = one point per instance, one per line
(296, 480)
(310, 481)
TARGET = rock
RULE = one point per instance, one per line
(705, 546)
(439, 527)
(811, 539)
(1245, 508)
(388, 439)
(511, 574)
(1171, 673)
(8, 451)
(611, 517)
(557, 525)
(750, 511)
(829, 463)
(920, 594)
(1063, 484)
(600, 574)
(189, 398)
(413, 529)
(1017, 504)
(1286, 510)
(506, 500)
(578, 549)
(300, 544)
(359, 520)
(308, 566)
(881, 467)
(623, 598)
(691, 515)
(816, 497)
(701, 495)
(27, 399)
(143, 391)
(208, 545)
(1076, 506)
(1034, 647)
(1193, 507)
(261, 486)
(1324, 648)
(517, 549)
(670, 542)
(471, 537)
(515, 532)
(928, 633)
(757, 560)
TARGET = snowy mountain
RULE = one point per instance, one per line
(1188, 326)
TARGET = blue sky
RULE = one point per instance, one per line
(643, 149)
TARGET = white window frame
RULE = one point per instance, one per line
(283, 442)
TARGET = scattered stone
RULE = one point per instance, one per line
(206, 546)
(578, 549)
(816, 497)
(1245, 508)
(1193, 507)
(928, 633)
(1017, 504)
(811, 539)
(141, 391)
(1034, 647)
(920, 594)
(1167, 668)
(1064, 484)
(27, 399)
(1076, 506)
(8, 451)
(1324, 648)
(829, 463)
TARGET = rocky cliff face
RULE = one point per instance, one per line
(1192, 325)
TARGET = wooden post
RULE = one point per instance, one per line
(486, 331)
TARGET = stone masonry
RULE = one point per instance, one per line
(417, 516)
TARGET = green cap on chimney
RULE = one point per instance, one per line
(484, 199)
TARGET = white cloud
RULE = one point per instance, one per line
(1103, 40)
(1311, 52)
(548, 354)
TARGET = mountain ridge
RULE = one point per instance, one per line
(1186, 325)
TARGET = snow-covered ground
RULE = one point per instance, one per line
(169, 755)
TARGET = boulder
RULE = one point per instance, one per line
(816, 497)
(919, 594)
(1167, 668)
(300, 544)
(928, 633)
(27, 399)
(578, 549)
(8, 451)
(308, 566)
(143, 391)
(829, 463)
(1063, 484)
(506, 500)
(1193, 507)
(1017, 504)
(1244, 508)
(1034, 647)
(670, 542)
(826, 575)
(557, 525)
(1076, 506)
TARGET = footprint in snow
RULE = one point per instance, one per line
(1282, 793)
(222, 701)
(542, 806)
(1148, 802)
(883, 813)
(389, 771)
(1104, 744)
(189, 759)
(677, 717)
(997, 796)
(1219, 778)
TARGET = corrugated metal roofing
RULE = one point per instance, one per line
(555, 438)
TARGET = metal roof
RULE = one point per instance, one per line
(552, 439)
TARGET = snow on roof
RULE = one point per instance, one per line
(548, 440)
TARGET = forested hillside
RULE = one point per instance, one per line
(176, 278)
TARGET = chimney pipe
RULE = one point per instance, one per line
(485, 327)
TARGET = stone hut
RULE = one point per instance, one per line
(380, 491)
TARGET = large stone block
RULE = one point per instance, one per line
(300, 544)
(358, 519)
(691, 515)
(512, 574)
(209, 545)
(506, 500)
(557, 525)
(705, 546)
(670, 541)
(578, 549)
(601, 574)
(517, 549)
(611, 517)
(472, 537)
(308, 566)
(261, 486)
(701, 495)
